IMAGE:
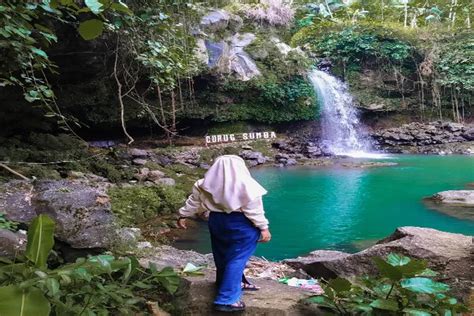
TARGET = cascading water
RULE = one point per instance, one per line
(341, 132)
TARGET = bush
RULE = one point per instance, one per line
(98, 285)
(405, 286)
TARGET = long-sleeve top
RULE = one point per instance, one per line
(200, 201)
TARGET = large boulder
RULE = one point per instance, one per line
(452, 255)
(80, 208)
(253, 158)
(455, 197)
(229, 56)
(456, 203)
(81, 212)
(225, 54)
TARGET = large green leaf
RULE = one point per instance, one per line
(414, 267)
(424, 285)
(397, 260)
(17, 302)
(339, 285)
(416, 312)
(387, 270)
(40, 240)
(168, 278)
(95, 6)
(384, 304)
(322, 301)
(91, 29)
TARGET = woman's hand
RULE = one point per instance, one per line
(265, 235)
(182, 223)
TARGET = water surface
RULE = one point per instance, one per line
(348, 208)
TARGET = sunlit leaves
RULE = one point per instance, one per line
(91, 29)
(424, 285)
(95, 6)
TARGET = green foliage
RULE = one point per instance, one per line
(138, 203)
(403, 287)
(455, 63)
(7, 224)
(40, 240)
(98, 285)
(355, 45)
(229, 128)
(27, 29)
(267, 100)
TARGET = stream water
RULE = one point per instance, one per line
(349, 208)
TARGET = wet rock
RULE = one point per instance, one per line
(291, 162)
(204, 166)
(12, 244)
(455, 197)
(139, 161)
(155, 175)
(142, 174)
(167, 256)
(449, 254)
(129, 235)
(469, 134)
(425, 136)
(253, 157)
(313, 151)
(138, 153)
(455, 203)
(16, 201)
(166, 181)
(318, 262)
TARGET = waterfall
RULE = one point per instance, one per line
(341, 132)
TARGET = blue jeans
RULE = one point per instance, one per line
(233, 239)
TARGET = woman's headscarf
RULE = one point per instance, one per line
(230, 184)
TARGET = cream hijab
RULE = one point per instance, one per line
(230, 184)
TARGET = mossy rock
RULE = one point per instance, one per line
(136, 204)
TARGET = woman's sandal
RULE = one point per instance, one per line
(249, 287)
(236, 307)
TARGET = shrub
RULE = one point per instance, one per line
(98, 285)
(405, 286)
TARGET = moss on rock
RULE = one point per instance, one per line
(136, 204)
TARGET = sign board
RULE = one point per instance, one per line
(228, 138)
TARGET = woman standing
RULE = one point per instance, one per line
(236, 223)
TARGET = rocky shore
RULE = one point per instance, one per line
(451, 255)
(427, 138)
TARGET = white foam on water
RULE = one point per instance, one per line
(364, 155)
